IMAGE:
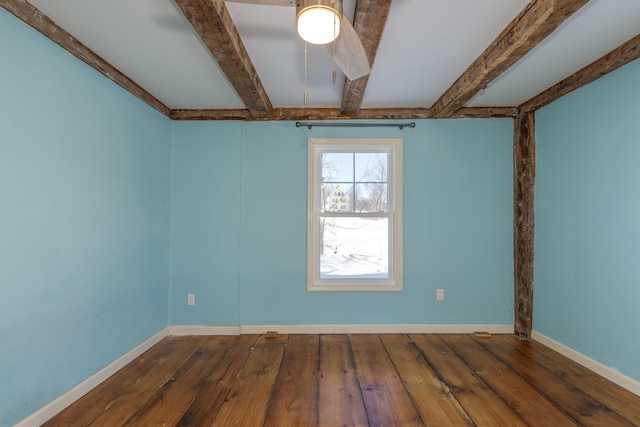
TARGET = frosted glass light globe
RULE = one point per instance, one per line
(318, 24)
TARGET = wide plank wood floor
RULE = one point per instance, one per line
(353, 380)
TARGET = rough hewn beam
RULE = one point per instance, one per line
(210, 115)
(335, 114)
(427, 113)
(24, 11)
(485, 112)
(369, 22)
(212, 22)
(524, 176)
(539, 19)
(622, 55)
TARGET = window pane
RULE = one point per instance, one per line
(337, 167)
(372, 197)
(371, 167)
(336, 197)
(354, 248)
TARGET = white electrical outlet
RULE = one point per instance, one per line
(440, 294)
(191, 299)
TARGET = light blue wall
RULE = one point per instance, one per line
(84, 220)
(239, 226)
(587, 267)
(205, 226)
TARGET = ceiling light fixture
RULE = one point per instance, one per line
(319, 20)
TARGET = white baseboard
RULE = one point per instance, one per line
(339, 329)
(57, 405)
(609, 373)
(376, 329)
(203, 330)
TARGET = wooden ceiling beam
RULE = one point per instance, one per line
(369, 22)
(210, 114)
(622, 55)
(485, 112)
(213, 24)
(26, 12)
(293, 114)
(538, 20)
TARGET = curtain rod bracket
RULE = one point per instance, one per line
(400, 126)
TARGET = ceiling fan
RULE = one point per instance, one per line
(322, 22)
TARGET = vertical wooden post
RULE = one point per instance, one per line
(524, 177)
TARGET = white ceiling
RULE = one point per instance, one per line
(596, 29)
(426, 45)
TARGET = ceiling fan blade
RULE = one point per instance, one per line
(349, 54)
(267, 2)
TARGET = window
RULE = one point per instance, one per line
(354, 215)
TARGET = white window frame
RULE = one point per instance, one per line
(317, 146)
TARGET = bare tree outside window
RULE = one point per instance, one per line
(378, 186)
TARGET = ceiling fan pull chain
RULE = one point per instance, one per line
(305, 73)
(335, 36)
(334, 78)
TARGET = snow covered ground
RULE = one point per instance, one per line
(355, 248)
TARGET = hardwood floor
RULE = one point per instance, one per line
(353, 380)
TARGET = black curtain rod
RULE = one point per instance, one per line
(350, 124)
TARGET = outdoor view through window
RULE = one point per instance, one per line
(353, 220)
